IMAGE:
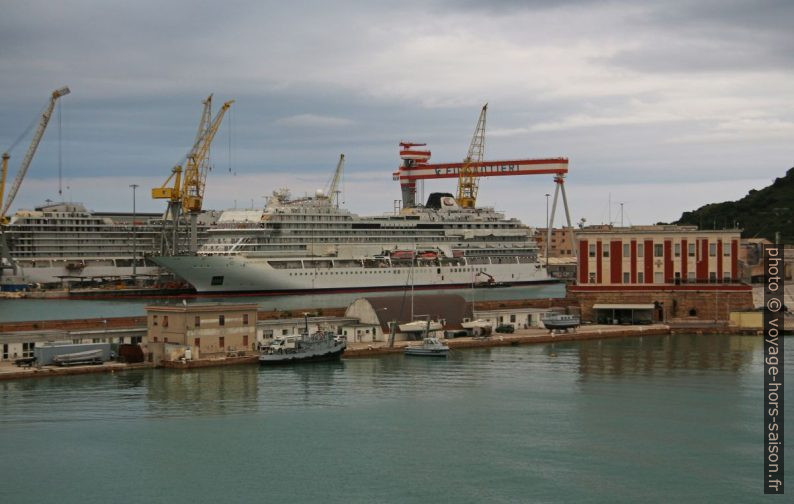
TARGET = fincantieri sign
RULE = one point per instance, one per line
(773, 368)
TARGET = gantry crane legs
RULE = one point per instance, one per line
(186, 195)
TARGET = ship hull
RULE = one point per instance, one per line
(243, 275)
(279, 359)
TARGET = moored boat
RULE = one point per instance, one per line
(306, 347)
(561, 322)
(430, 347)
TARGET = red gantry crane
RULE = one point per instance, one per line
(415, 167)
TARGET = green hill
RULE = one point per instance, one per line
(760, 214)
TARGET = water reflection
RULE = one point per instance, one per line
(651, 354)
(210, 391)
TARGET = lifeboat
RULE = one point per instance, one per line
(402, 254)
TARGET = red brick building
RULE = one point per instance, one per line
(659, 272)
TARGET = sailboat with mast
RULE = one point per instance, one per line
(418, 326)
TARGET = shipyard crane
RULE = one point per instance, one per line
(23, 168)
(333, 187)
(468, 179)
(186, 195)
(415, 167)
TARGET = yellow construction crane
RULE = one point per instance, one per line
(186, 195)
(468, 178)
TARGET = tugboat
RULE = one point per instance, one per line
(320, 346)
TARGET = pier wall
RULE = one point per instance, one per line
(709, 304)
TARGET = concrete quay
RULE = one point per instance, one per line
(9, 371)
(520, 337)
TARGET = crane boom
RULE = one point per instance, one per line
(23, 167)
(468, 177)
(197, 165)
(333, 187)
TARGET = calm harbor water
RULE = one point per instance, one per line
(652, 419)
(16, 310)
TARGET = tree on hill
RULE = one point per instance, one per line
(760, 214)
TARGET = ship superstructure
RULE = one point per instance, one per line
(65, 242)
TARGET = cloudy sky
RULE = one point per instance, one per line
(663, 106)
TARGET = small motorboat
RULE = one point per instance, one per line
(430, 347)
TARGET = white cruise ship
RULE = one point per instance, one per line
(64, 242)
(309, 244)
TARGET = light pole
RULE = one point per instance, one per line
(134, 236)
(548, 232)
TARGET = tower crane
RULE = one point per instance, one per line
(23, 168)
(186, 195)
(468, 179)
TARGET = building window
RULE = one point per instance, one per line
(658, 250)
(712, 249)
(5, 350)
(691, 250)
(591, 278)
(197, 321)
(726, 278)
(690, 277)
(154, 320)
(154, 339)
(197, 342)
(640, 277)
(726, 250)
(605, 251)
(245, 319)
(284, 332)
(221, 320)
(626, 278)
(217, 280)
(640, 250)
(626, 250)
(712, 277)
(245, 340)
(222, 342)
(658, 277)
(512, 318)
(27, 349)
(165, 320)
(592, 250)
(677, 249)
